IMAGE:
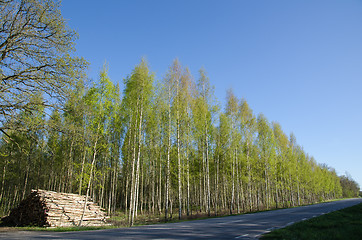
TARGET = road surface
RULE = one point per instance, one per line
(247, 226)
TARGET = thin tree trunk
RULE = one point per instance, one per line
(111, 191)
(133, 178)
(249, 176)
(238, 183)
(15, 197)
(3, 180)
(217, 185)
(81, 173)
(70, 167)
(233, 184)
(153, 170)
(90, 177)
(179, 170)
(188, 184)
(132, 204)
(126, 195)
(298, 195)
(135, 200)
(26, 179)
(160, 186)
(129, 155)
(102, 190)
(168, 154)
(207, 175)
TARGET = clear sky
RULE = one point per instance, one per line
(297, 62)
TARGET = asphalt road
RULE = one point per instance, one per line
(247, 226)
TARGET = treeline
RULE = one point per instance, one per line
(350, 188)
(163, 147)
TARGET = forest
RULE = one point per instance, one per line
(159, 146)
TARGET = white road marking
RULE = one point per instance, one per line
(160, 228)
(245, 235)
(231, 222)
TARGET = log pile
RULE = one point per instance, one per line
(53, 209)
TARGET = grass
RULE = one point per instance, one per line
(342, 224)
(120, 219)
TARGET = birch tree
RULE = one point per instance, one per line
(99, 100)
(137, 93)
(203, 112)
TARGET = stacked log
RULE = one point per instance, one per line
(54, 209)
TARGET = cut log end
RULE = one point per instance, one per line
(53, 209)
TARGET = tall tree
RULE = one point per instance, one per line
(266, 145)
(34, 55)
(248, 129)
(232, 112)
(170, 85)
(100, 102)
(281, 164)
(137, 93)
(203, 113)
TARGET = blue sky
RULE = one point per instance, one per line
(297, 62)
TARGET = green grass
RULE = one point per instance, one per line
(342, 224)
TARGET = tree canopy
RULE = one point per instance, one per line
(35, 56)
